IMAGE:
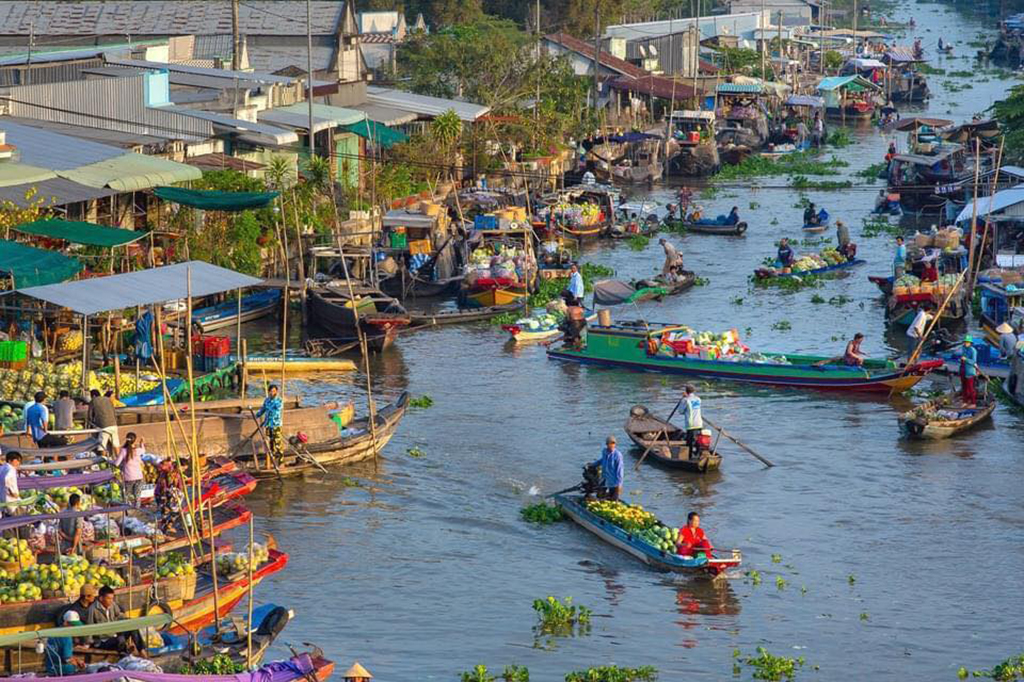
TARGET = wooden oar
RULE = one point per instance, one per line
(739, 443)
(664, 431)
(266, 443)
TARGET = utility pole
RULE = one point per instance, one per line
(782, 65)
(309, 74)
(855, 23)
(696, 57)
(760, 22)
(236, 48)
(597, 54)
(536, 100)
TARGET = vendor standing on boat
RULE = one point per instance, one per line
(843, 237)
(734, 216)
(692, 417)
(1007, 341)
(692, 538)
(968, 372)
(672, 258)
(852, 357)
(785, 254)
(576, 286)
(271, 413)
(899, 259)
(611, 469)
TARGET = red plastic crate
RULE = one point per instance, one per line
(216, 346)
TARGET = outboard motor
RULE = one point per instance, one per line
(591, 480)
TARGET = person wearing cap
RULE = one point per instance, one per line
(852, 357)
(968, 371)
(692, 416)
(59, 652)
(271, 413)
(1007, 340)
(611, 469)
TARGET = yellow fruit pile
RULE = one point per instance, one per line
(15, 551)
(70, 341)
(631, 518)
(46, 581)
(173, 565)
(238, 562)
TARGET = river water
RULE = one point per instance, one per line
(900, 560)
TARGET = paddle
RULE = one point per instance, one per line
(739, 443)
(266, 443)
(664, 431)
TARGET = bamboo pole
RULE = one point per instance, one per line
(974, 204)
(213, 564)
(248, 643)
(991, 199)
(197, 494)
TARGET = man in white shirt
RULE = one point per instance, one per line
(9, 481)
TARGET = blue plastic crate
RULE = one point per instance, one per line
(485, 222)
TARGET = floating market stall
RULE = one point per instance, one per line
(905, 83)
(24, 266)
(849, 98)
(582, 212)
(502, 268)
(418, 252)
(692, 150)
(675, 349)
(826, 262)
(742, 120)
(927, 180)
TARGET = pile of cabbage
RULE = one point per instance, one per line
(499, 262)
(907, 281)
(815, 261)
(573, 215)
(544, 320)
(710, 345)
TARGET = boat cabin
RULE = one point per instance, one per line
(1000, 303)
(692, 127)
(905, 83)
(741, 115)
(849, 98)
(417, 250)
(927, 179)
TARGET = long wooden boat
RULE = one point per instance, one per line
(379, 316)
(294, 364)
(625, 345)
(461, 315)
(354, 444)
(254, 306)
(944, 417)
(903, 308)
(667, 442)
(768, 273)
(656, 288)
(491, 292)
(223, 426)
(884, 284)
(736, 230)
(415, 287)
(575, 509)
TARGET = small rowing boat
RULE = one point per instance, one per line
(657, 288)
(254, 306)
(815, 229)
(460, 315)
(944, 417)
(523, 333)
(667, 442)
(710, 227)
(575, 508)
(768, 273)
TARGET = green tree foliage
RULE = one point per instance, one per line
(1010, 114)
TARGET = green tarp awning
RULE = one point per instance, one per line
(32, 267)
(215, 200)
(80, 232)
(377, 133)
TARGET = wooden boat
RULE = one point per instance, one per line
(815, 229)
(462, 315)
(667, 442)
(944, 417)
(294, 364)
(223, 426)
(575, 509)
(490, 290)
(353, 444)
(708, 227)
(884, 284)
(254, 306)
(768, 273)
(379, 316)
(903, 308)
(626, 345)
(656, 288)
(409, 286)
(522, 335)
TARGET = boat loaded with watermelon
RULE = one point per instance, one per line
(677, 349)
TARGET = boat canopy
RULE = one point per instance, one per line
(65, 481)
(32, 267)
(157, 620)
(10, 522)
(851, 83)
(990, 204)
(216, 200)
(693, 114)
(863, 64)
(142, 288)
(805, 101)
(80, 232)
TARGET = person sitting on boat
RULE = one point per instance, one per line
(734, 216)
(929, 271)
(576, 282)
(810, 215)
(785, 255)
(672, 258)
(899, 259)
(968, 372)
(843, 238)
(1007, 341)
(692, 539)
(892, 151)
(696, 214)
(611, 469)
(671, 215)
(59, 652)
(106, 610)
(271, 413)
(692, 417)
(852, 357)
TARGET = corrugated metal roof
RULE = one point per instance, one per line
(14, 174)
(342, 115)
(387, 115)
(990, 204)
(296, 120)
(274, 58)
(51, 150)
(273, 134)
(167, 17)
(740, 88)
(226, 74)
(101, 135)
(132, 172)
(142, 288)
(424, 105)
(57, 191)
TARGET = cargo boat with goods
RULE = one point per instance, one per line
(945, 417)
(676, 349)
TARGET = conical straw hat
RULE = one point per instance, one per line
(358, 671)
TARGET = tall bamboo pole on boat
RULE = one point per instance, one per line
(197, 495)
(993, 185)
(238, 327)
(974, 204)
(213, 564)
(934, 321)
(248, 637)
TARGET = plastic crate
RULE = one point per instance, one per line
(213, 363)
(399, 240)
(420, 247)
(216, 346)
(485, 222)
(13, 351)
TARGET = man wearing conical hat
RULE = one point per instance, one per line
(1007, 340)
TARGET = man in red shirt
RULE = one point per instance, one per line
(692, 539)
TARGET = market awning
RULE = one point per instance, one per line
(376, 133)
(216, 200)
(852, 83)
(80, 232)
(132, 172)
(32, 267)
(739, 88)
(805, 101)
(142, 288)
